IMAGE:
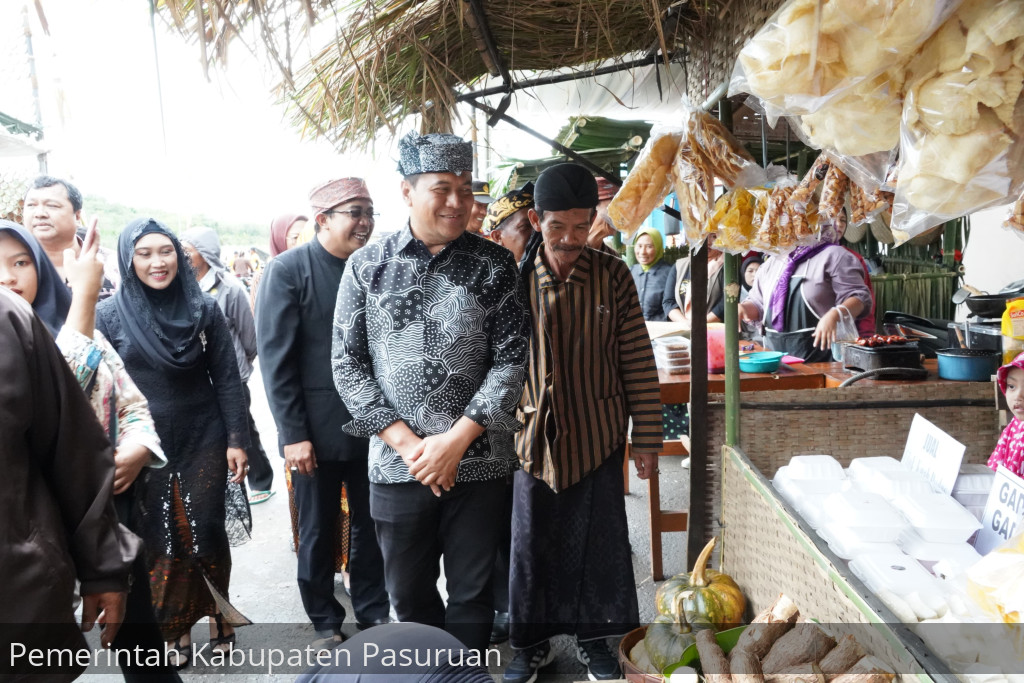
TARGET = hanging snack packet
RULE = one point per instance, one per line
(877, 202)
(724, 155)
(733, 220)
(708, 150)
(776, 235)
(810, 52)
(648, 183)
(860, 131)
(962, 136)
(694, 184)
(833, 194)
(833, 197)
(858, 200)
(800, 200)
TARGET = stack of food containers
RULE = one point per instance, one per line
(879, 508)
(896, 532)
(937, 527)
(672, 354)
(973, 486)
(807, 481)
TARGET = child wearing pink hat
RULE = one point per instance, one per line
(1009, 451)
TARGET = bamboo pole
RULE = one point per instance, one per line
(732, 320)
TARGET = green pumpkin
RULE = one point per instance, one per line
(703, 598)
(665, 641)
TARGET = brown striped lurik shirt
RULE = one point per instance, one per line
(591, 370)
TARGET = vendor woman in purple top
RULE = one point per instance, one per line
(799, 296)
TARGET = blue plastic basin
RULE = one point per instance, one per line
(761, 361)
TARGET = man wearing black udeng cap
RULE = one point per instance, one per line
(429, 356)
(591, 370)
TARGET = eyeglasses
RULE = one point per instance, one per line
(355, 214)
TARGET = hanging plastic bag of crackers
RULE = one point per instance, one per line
(810, 52)
(962, 137)
(833, 198)
(648, 183)
(803, 210)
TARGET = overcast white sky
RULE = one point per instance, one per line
(230, 152)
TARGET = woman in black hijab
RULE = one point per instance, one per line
(175, 343)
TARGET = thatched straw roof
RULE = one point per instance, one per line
(388, 59)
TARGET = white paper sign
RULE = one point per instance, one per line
(933, 453)
(1003, 512)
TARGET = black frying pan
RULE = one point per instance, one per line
(989, 305)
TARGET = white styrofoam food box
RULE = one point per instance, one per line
(867, 514)
(895, 572)
(797, 491)
(963, 555)
(848, 545)
(973, 485)
(892, 484)
(937, 518)
(815, 467)
(862, 467)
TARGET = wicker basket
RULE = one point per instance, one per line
(713, 57)
(633, 674)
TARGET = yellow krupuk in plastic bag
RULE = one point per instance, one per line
(737, 217)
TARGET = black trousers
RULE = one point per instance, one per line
(139, 628)
(261, 474)
(318, 499)
(416, 529)
(503, 556)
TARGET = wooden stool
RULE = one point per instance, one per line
(661, 521)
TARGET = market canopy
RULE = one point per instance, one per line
(385, 60)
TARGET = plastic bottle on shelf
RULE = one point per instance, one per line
(1012, 329)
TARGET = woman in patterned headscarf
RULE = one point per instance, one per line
(175, 344)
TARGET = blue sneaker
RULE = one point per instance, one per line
(600, 662)
(523, 667)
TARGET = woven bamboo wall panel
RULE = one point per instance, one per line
(771, 437)
(766, 558)
(711, 59)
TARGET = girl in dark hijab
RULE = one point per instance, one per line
(175, 343)
(52, 298)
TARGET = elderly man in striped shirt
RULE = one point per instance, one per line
(591, 370)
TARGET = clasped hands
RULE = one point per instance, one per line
(433, 460)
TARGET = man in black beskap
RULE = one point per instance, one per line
(294, 310)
